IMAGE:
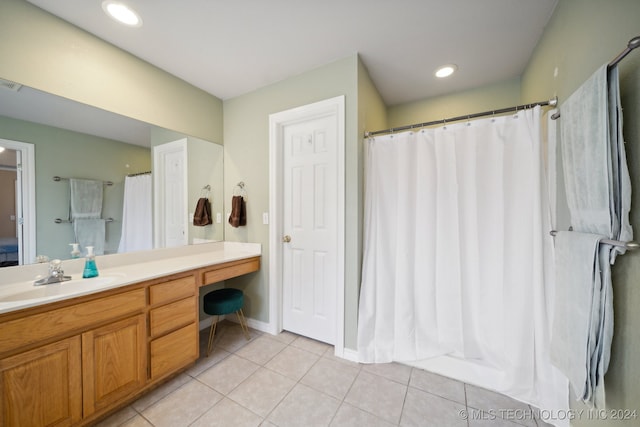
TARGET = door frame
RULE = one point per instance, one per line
(27, 244)
(159, 152)
(277, 121)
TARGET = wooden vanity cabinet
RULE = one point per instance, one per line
(71, 362)
(42, 387)
(113, 363)
(173, 326)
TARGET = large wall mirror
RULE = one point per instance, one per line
(72, 140)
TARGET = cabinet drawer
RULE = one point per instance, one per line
(174, 351)
(172, 290)
(38, 327)
(218, 273)
(171, 316)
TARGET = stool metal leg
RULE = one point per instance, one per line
(243, 323)
(212, 333)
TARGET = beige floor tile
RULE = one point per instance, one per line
(118, 418)
(438, 384)
(497, 405)
(183, 406)
(262, 391)
(304, 406)
(261, 350)
(392, 371)
(285, 337)
(310, 345)
(330, 377)
(230, 337)
(137, 421)
(350, 416)
(228, 374)
(292, 362)
(329, 354)
(377, 395)
(158, 393)
(228, 413)
(479, 418)
(422, 409)
(204, 362)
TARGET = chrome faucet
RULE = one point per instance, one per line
(56, 275)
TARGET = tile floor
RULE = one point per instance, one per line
(288, 380)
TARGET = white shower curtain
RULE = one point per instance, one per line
(137, 225)
(458, 259)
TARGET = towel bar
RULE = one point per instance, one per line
(630, 245)
(60, 221)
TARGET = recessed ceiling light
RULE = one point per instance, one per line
(446, 70)
(1, 149)
(122, 13)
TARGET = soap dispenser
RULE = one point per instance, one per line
(75, 252)
(90, 268)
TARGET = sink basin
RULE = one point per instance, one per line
(27, 292)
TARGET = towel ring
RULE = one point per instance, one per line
(240, 191)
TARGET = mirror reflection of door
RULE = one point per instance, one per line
(170, 194)
(17, 203)
(9, 191)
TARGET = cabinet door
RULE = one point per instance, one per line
(114, 362)
(42, 387)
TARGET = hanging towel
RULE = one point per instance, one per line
(85, 198)
(90, 232)
(137, 214)
(202, 214)
(238, 215)
(599, 197)
(85, 210)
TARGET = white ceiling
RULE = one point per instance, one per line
(232, 47)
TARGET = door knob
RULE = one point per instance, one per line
(286, 238)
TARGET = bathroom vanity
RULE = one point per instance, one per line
(69, 357)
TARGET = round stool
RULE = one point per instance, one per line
(224, 301)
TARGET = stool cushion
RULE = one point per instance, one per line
(223, 301)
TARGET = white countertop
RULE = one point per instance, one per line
(16, 283)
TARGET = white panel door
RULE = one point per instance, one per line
(310, 226)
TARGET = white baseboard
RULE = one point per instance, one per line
(350, 354)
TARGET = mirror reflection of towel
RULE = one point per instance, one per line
(202, 214)
(90, 232)
(238, 215)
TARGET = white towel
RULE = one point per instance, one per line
(85, 199)
(586, 155)
(577, 317)
(90, 232)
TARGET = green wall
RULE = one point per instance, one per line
(60, 152)
(580, 37)
(246, 136)
(49, 54)
(499, 95)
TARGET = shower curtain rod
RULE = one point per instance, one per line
(552, 102)
(139, 173)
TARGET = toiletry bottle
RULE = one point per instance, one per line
(75, 252)
(90, 268)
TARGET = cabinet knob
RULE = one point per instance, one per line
(286, 238)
